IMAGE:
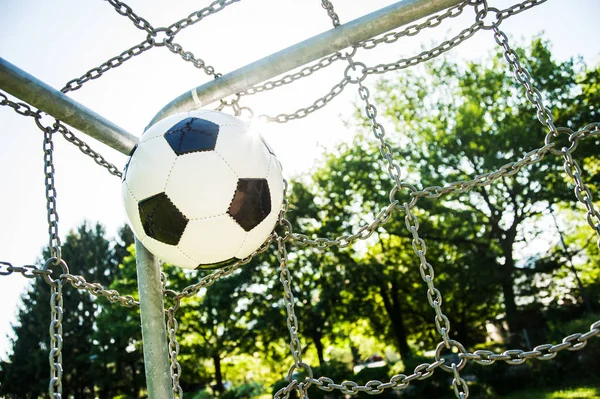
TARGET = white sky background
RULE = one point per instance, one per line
(60, 40)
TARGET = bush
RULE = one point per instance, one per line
(245, 391)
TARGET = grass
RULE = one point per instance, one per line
(587, 392)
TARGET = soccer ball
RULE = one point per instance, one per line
(201, 190)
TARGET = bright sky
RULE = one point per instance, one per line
(60, 40)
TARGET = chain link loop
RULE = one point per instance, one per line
(56, 340)
(328, 6)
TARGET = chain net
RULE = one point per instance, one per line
(56, 272)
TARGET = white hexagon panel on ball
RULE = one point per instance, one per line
(201, 190)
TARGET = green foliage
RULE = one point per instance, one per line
(245, 391)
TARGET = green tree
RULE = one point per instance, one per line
(458, 122)
(89, 253)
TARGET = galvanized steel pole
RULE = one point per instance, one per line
(46, 98)
(154, 330)
(351, 33)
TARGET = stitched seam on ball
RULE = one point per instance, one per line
(210, 217)
(230, 167)
(186, 255)
(241, 246)
(130, 192)
(168, 177)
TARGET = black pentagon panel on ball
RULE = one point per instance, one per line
(124, 176)
(251, 203)
(217, 265)
(192, 135)
(161, 219)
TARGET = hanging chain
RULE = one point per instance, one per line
(328, 6)
(291, 78)
(434, 296)
(126, 11)
(188, 56)
(486, 179)
(113, 62)
(582, 192)
(98, 290)
(459, 385)
(52, 214)
(175, 368)
(397, 382)
(521, 74)
(56, 340)
(291, 319)
(385, 148)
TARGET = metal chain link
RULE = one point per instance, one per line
(27, 271)
(386, 150)
(459, 385)
(96, 289)
(56, 340)
(26, 110)
(396, 383)
(427, 55)
(199, 15)
(113, 62)
(328, 6)
(126, 11)
(344, 241)
(582, 192)
(291, 319)
(175, 368)
(573, 342)
(290, 78)
(486, 179)
(434, 296)
(52, 215)
(188, 56)
(521, 74)
(316, 105)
